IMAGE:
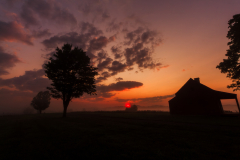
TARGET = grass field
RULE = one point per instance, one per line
(119, 135)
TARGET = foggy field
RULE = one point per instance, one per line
(119, 135)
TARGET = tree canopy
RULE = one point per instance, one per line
(41, 101)
(71, 74)
(231, 64)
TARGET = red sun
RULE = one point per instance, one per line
(127, 105)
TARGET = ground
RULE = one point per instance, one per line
(119, 135)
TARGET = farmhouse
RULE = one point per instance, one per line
(197, 99)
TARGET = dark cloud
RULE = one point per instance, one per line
(147, 99)
(117, 67)
(102, 55)
(41, 33)
(100, 96)
(142, 43)
(94, 8)
(47, 56)
(133, 36)
(114, 26)
(140, 57)
(119, 79)
(119, 86)
(13, 31)
(97, 43)
(29, 16)
(116, 51)
(104, 64)
(135, 49)
(104, 91)
(71, 37)
(88, 35)
(7, 61)
(148, 36)
(49, 10)
(30, 81)
(12, 2)
(142, 35)
(103, 76)
(89, 28)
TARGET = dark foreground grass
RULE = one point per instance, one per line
(116, 135)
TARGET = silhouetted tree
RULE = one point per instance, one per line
(41, 101)
(133, 108)
(231, 66)
(71, 74)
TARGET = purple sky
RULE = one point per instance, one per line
(145, 50)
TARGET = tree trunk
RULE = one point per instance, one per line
(64, 112)
(65, 105)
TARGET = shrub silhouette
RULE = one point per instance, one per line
(133, 108)
(41, 101)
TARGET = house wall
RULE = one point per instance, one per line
(195, 106)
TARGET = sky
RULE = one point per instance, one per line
(145, 50)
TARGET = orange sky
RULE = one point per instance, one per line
(191, 36)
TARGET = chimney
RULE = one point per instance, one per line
(197, 80)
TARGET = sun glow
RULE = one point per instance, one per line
(128, 105)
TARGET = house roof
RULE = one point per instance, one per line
(195, 87)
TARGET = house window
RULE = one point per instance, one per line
(229, 105)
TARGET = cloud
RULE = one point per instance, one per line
(101, 66)
(101, 55)
(114, 26)
(147, 99)
(41, 33)
(119, 79)
(104, 91)
(103, 76)
(29, 16)
(85, 40)
(30, 81)
(117, 67)
(49, 10)
(142, 35)
(96, 9)
(13, 31)
(71, 37)
(11, 3)
(117, 52)
(7, 61)
(89, 28)
(119, 86)
(133, 36)
(142, 43)
(134, 48)
(97, 43)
